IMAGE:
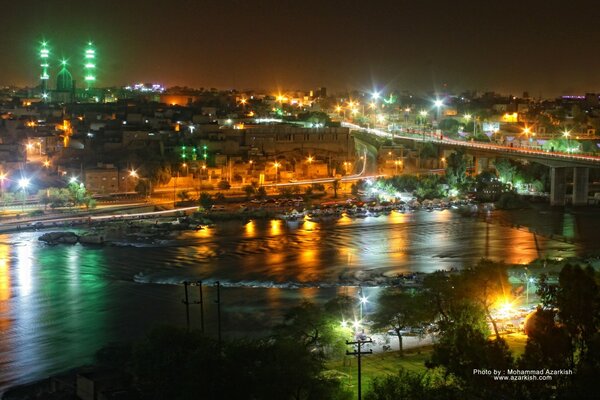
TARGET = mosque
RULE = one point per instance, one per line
(65, 89)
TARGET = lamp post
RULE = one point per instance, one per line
(347, 166)
(309, 161)
(3, 176)
(363, 301)
(567, 135)
(423, 114)
(276, 164)
(438, 103)
(23, 184)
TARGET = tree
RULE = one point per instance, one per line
(335, 186)
(487, 285)
(184, 195)
(506, 170)
(261, 192)
(398, 309)
(463, 347)
(577, 298)
(143, 187)
(285, 191)
(456, 169)
(428, 150)
(317, 328)
(317, 187)
(548, 343)
(206, 200)
(224, 185)
(249, 190)
(44, 197)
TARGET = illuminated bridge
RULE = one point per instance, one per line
(483, 152)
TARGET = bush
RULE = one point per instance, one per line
(224, 185)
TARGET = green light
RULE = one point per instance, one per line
(88, 65)
(44, 55)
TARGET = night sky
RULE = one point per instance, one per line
(545, 47)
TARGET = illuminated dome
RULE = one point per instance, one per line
(64, 79)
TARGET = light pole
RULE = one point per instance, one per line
(132, 174)
(567, 135)
(23, 184)
(423, 114)
(363, 301)
(347, 166)
(276, 164)
(438, 103)
(3, 176)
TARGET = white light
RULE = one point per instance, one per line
(23, 183)
(375, 95)
(438, 103)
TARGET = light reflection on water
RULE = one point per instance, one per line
(59, 304)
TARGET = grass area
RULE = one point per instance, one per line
(379, 365)
(516, 342)
(382, 364)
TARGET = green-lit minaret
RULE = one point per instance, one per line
(44, 63)
(89, 66)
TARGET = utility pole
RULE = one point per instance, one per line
(358, 353)
(218, 301)
(187, 304)
(201, 307)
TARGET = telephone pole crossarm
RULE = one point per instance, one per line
(359, 353)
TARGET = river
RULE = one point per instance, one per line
(59, 304)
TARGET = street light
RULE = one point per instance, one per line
(3, 177)
(23, 184)
(397, 163)
(567, 134)
(276, 165)
(438, 103)
(347, 165)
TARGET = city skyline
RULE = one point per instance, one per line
(267, 45)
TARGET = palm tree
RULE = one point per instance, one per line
(335, 186)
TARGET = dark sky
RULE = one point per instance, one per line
(546, 47)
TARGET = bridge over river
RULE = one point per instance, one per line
(557, 161)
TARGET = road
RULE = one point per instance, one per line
(421, 136)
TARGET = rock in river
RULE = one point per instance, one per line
(59, 237)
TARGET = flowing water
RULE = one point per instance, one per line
(59, 304)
